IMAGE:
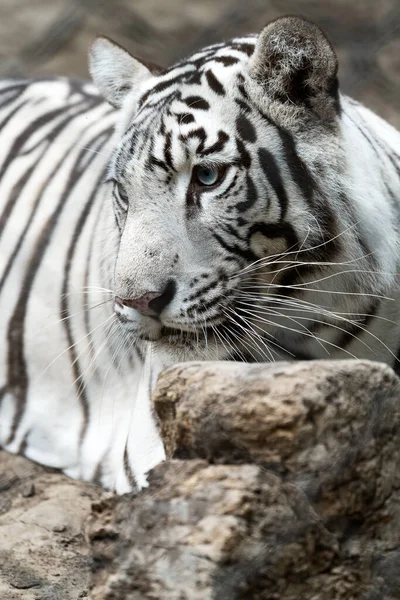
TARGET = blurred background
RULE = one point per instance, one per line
(51, 37)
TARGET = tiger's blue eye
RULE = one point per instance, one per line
(207, 175)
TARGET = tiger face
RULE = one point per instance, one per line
(224, 189)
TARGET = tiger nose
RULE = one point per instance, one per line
(152, 303)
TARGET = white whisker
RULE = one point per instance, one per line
(72, 345)
(85, 308)
(336, 292)
(289, 252)
(296, 331)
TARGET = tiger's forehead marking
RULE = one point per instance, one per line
(177, 104)
(210, 67)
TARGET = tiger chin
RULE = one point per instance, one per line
(235, 206)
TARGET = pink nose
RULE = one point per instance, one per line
(141, 304)
(151, 303)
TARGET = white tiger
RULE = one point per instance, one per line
(243, 209)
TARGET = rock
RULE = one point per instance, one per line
(284, 485)
(28, 490)
(37, 561)
(174, 539)
(306, 418)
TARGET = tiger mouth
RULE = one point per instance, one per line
(153, 330)
(187, 334)
(177, 335)
(172, 335)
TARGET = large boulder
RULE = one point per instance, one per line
(285, 485)
(282, 483)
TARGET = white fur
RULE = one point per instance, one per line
(114, 70)
(155, 229)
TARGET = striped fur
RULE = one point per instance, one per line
(291, 254)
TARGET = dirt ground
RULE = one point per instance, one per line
(43, 554)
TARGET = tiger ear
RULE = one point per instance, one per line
(296, 65)
(114, 71)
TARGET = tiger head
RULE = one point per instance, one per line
(229, 192)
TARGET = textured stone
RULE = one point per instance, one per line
(43, 555)
(197, 517)
(284, 485)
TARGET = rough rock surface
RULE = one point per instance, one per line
(43, 554)
(285, 485)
